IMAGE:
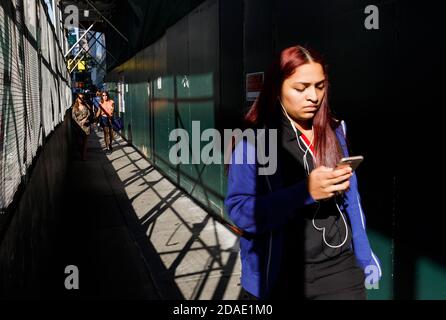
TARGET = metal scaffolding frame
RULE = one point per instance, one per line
(106, 20)
(77, 42)
(87, 52)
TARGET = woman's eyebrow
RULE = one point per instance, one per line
(308, 83)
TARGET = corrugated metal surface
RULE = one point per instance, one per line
(34, 91)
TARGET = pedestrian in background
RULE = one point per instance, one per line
(81, 115)
(96, 102)
(107, 106)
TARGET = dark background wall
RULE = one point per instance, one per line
(29, 229)
(143, 23)
(204, 52)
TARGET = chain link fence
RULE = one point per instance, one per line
(34, 86)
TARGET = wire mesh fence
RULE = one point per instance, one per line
(34, 86)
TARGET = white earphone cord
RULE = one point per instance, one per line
(307, 170)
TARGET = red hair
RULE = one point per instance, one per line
(266, 107)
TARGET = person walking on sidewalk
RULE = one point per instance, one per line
(81, 115)
(303, 226)
(96, 101)
(107, 106)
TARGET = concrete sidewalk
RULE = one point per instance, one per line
(141, 236)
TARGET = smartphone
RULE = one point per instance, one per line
(351, 161)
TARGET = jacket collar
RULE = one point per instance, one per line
(287, 138)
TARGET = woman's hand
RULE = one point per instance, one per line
(324, 183)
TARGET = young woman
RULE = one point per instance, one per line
(105, 116)
(303, 228)
(81, 115)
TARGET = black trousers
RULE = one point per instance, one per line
(336, 279)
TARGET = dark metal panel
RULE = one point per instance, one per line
(230, 95)
(203, 95)
(258, 29)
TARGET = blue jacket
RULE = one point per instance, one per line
(96, 103)
(261, 214)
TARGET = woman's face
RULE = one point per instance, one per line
(303, 91)
(105, 96)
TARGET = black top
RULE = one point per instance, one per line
(301, 234)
